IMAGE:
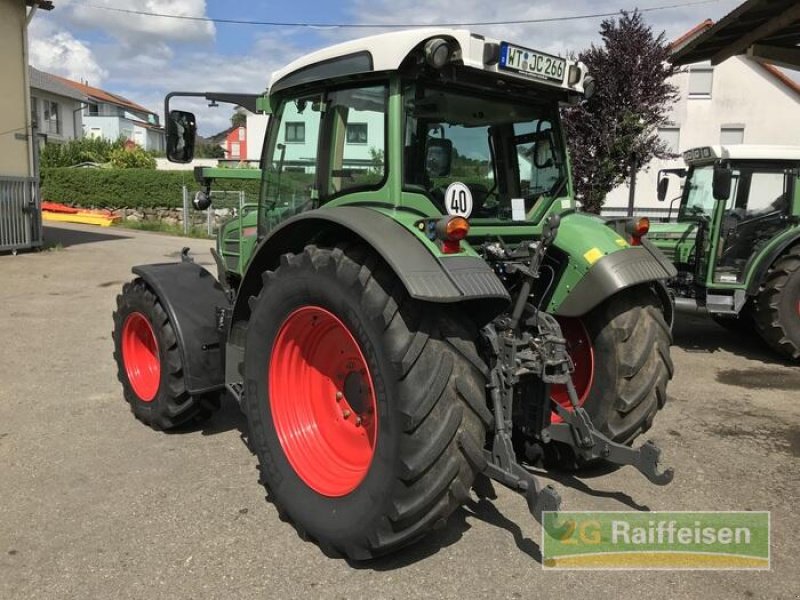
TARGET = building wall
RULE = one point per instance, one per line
(106, 127)
(743, 94)
(14, 116)
(114, 127)
(70, 118)
(256, 132)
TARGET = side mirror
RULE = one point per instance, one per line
(201, 201)
(721, 184)
(663, 186)
(438, 157)
(181, 134)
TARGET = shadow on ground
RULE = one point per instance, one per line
(230, 418)
(699, 333)
(56, 236)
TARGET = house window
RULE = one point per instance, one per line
(671, 136)
(356, 133)
(731, 134)
(93, 110)
(295, 132)
(52, 120)
(242, 134)
(235, 151)
(701, 80)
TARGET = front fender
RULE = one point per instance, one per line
(190, 296)
(597, 263)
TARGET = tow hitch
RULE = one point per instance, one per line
(527, 346)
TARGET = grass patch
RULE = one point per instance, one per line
(166, 228)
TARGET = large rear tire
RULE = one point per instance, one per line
(149, 364)
(357, 397)
(626, 341)
(777, 306)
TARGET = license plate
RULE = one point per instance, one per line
(530, 62)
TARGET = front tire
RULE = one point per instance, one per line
(777, 306)
(149, 363)
(625, 343)
(334, 344)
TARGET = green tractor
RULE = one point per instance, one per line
(736, 243)
(413, 307)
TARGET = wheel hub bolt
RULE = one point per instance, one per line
(339, 396)
(358, 420)
(346, 413)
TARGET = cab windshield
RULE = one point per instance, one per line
(500, 150)
(699, 197)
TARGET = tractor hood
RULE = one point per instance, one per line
(675, 240)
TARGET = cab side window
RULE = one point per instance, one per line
(290, 160)
(354, 154)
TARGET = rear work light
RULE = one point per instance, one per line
(638, 228)
(451, 230)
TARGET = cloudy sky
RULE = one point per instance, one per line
(143, 57)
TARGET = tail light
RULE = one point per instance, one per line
(638, 229)
(451, 230)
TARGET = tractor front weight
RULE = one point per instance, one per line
(528, 346)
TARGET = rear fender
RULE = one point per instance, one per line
(190, 296)
(458, 279)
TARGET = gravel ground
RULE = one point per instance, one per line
(95, 505)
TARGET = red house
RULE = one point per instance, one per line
(236, 144)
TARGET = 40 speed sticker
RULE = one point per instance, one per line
(458, 200)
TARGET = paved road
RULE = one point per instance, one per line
(94, 505)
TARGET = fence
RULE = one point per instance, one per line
(20, 213)
(225, 205)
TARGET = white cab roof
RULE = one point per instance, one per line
(704, 154)
(389, 50)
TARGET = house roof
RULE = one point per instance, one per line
(767, 30)
(689, 40)
(104, 96)
(53, 85)
(41, 4)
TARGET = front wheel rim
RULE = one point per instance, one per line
(140, 356)
(322, 401)
(579, 347)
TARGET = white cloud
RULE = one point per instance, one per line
(143, 58)
(559, 37)
(61, 53)
(140, 28)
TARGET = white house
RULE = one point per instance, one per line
(739, 101)
(112, 116)
(55, 107)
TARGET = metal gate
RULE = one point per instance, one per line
(20, 213)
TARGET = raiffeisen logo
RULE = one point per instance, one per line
(676, 540)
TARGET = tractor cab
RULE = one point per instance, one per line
(420, 124)
(737, 203)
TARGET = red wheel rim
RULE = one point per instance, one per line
(140, 356)
(322, 401)
(579, 346)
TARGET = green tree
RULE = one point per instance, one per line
(239, 119)
(620, 122)
(76, 152)
(132, 158)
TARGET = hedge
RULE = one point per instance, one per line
(131, 188)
